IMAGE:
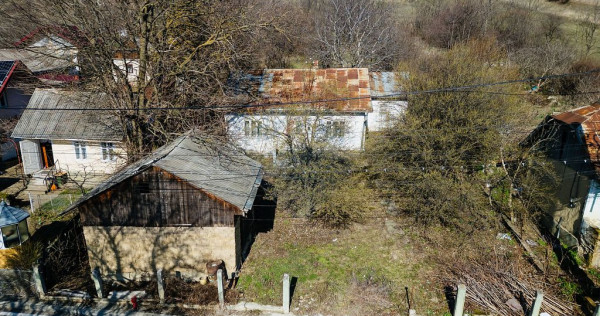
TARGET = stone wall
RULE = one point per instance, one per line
(134, 252)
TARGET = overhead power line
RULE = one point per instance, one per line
(301, 102)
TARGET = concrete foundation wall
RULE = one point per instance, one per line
(133, 252)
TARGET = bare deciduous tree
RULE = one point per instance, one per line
(181, 50)
(357, 33)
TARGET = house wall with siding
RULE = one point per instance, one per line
(132, 252)
(132, 77)
(273, 128)
(66, 160)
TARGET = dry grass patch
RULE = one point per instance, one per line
(366, 269)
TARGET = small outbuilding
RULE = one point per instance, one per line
(176, 210)
(13, 224)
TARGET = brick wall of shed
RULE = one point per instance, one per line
(133, 252)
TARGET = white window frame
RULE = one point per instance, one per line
(80, 150)
(247, 127)
(108, 151)
(253, 128)
(335, 129)
(256, 130)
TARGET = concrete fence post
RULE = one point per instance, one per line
(537, 304)
(40, 284)
(97, 282)
(597, 310)
(31, 203)
(161, 285)
(459, 305)
(286, 293)
(220, 288)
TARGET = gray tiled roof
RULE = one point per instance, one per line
(62, 114)
(11, 215)
(220, 170)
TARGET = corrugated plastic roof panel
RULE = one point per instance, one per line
(62, 114)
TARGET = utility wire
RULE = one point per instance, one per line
(386, 96)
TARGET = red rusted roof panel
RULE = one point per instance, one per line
(349, 87)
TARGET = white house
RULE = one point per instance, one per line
(130, 67)
(284, 106)
(68, 130)
(49, 52)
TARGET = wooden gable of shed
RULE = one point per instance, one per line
(157, 198)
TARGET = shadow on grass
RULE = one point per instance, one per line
(293, 284)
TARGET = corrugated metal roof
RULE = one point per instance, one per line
(298, 85)
(40, 59)
(222, 171)
(11, 215)
(589, 119)
(274, 86)
(62, 114)
(383, 83)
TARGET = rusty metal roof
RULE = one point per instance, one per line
(385, 83)
(589, 119)
(349, 87)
